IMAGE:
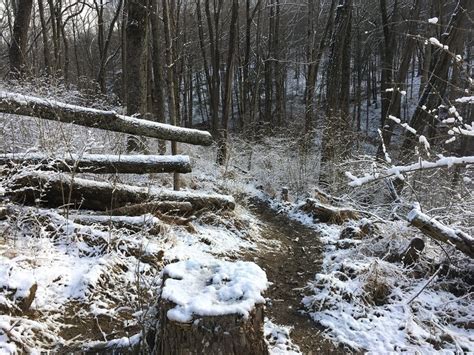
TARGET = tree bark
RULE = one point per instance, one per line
(395, 100)
(136, 56)
(19, 41)
(335, 140)
(229, 76)
(172, 97)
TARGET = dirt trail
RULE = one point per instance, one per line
(289, 267)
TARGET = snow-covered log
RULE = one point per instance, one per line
(444, 162)
(103, 164)
(326, 213)
(54, 189)
(438, 231)
(153, 207)
(24, 105)
(211, 307)
(136, 223)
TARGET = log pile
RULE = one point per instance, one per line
(57, 189)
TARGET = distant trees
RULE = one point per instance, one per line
(255, 67)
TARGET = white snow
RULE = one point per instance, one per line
(278, 339)
(104, 158)
(422, 139)
(433, 20)
(212, 288)
(466, 99)
(397, 170)
(434, 41)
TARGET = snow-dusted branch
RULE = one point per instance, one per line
(436, 230)
(444, 162)
(24, 105)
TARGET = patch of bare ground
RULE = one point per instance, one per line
(291, 256)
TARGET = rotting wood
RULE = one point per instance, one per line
(325, 213)
(103, 164)
(438, 231)
(54, 190)
(23, 105)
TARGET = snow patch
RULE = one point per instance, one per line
(212, 288)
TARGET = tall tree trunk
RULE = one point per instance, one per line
(395, 100)
(229, 75)
(335, 140)
(387, 57)
(135, 62)
(315, 55)
(19, 41)
(44, 33)
(173, 112)
(157, 63)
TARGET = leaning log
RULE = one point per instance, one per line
(213, 307)
(102, 163)
(58, 189)
(24, 105)
(328, 214)
(438, 231)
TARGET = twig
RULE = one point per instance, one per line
(426, 285)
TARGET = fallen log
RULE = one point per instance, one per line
(213, 307)
(438, 231)
(136, 223)
(325, 213)
(103, 164)
(152, 207)
(58, 189)
(24, 105)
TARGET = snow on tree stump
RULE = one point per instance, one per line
(211, 307)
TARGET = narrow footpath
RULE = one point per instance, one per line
(290, 265)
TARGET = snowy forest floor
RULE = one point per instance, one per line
(94, 286)
(291, 261)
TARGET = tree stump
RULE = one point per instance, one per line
(215, 307)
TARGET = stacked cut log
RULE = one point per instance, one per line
(58, 189)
